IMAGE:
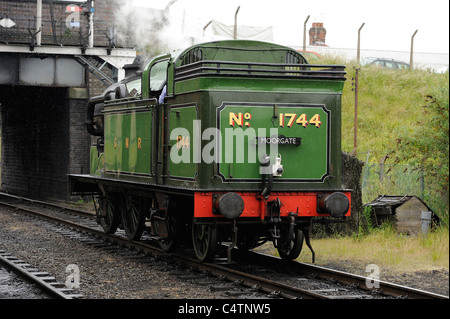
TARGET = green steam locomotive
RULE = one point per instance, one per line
(234, 142)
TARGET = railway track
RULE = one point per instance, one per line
(43, 280)
(276, 279)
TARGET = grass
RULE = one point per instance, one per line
(385, 248)
(387, 101)
(390, 107)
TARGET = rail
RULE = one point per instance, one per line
(44, 280)
(263, 283)
(283, 291)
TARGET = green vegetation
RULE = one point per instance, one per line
(402, 132)
(385, 248)
(403, 140)
(427, 147)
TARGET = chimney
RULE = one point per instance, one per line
(317, 34)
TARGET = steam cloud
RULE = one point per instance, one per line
(150, 31)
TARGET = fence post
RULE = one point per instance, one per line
(383, 160)
(355, 124)
(366, 170)
(38, 22)
(411, 52)
(359, 38)
(235, 23)
(304, 35)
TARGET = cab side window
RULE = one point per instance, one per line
(134, 88)
(158, 78)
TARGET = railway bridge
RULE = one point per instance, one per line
(53, 57)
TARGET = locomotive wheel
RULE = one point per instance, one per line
(173, 224)
(169, 243)
(204, 239)
(111, 221)
(133, 217)
(292, 249)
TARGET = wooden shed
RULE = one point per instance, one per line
(409, 213)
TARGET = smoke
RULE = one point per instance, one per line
(150, 31)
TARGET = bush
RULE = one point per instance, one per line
(402, 123)
(426, 146)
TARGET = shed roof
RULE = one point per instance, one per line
(394, 201)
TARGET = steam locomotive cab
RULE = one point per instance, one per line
(229, 141)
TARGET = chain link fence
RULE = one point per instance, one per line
(369, 177)
(379, 178)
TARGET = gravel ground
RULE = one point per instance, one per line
(110, 275)
(12, 287)
(103, 274)
(436, 281)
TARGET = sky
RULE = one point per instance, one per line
(389, 24)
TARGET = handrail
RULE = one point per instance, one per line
(258, 69)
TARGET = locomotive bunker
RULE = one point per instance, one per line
(228, 141)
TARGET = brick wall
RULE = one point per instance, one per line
(23, 13)
(43, 132)
(79, 138)
(96, 87)
(317, 34)
(43, 139)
